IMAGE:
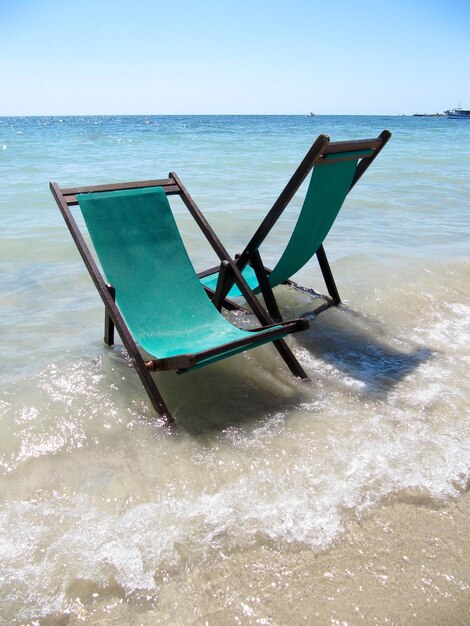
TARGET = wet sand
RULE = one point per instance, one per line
(403, 563)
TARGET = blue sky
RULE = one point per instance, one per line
(63, 57)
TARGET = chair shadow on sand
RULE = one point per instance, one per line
(358, 346)
(361, 347)
(241, 391)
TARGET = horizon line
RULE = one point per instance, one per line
(436, 114)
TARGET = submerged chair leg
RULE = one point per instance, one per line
(151, 388)
(289, 359)
(108, 322)
(149, 384)
(328, 275)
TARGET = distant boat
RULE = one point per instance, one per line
(458, 113)
(310, 114)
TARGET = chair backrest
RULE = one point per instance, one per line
(142, 255)
(337, 166)
(329, 185)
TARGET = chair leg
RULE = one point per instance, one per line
(289, 359)
(328, 275)
(230, 305)
(149, 384)
(108, 322)
(152, 391)
(280, 345)
(265, 287)
(224, 283)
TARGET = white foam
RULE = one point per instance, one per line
(97, 495)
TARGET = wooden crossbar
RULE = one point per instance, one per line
(168, 184)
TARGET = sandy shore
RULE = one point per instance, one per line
(404, 563)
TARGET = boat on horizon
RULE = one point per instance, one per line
(310, 114)
(458, 113)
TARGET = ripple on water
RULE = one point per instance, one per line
(101, 504)
(123, 504)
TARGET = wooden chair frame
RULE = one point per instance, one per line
(67, 197)
(317, 154)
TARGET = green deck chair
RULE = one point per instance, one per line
(337, 166)
(151, 291)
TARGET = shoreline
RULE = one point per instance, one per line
(403, 563)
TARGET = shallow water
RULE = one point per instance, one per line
(249, 508)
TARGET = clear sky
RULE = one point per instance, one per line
(60, 57)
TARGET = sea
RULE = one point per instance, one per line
(339, 500)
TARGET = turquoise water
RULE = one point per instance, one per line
(98, 501)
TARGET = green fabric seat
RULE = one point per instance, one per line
(142, 255)
(151, 293)
(327, 190)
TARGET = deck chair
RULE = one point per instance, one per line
(149, 287)
(337, 166)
